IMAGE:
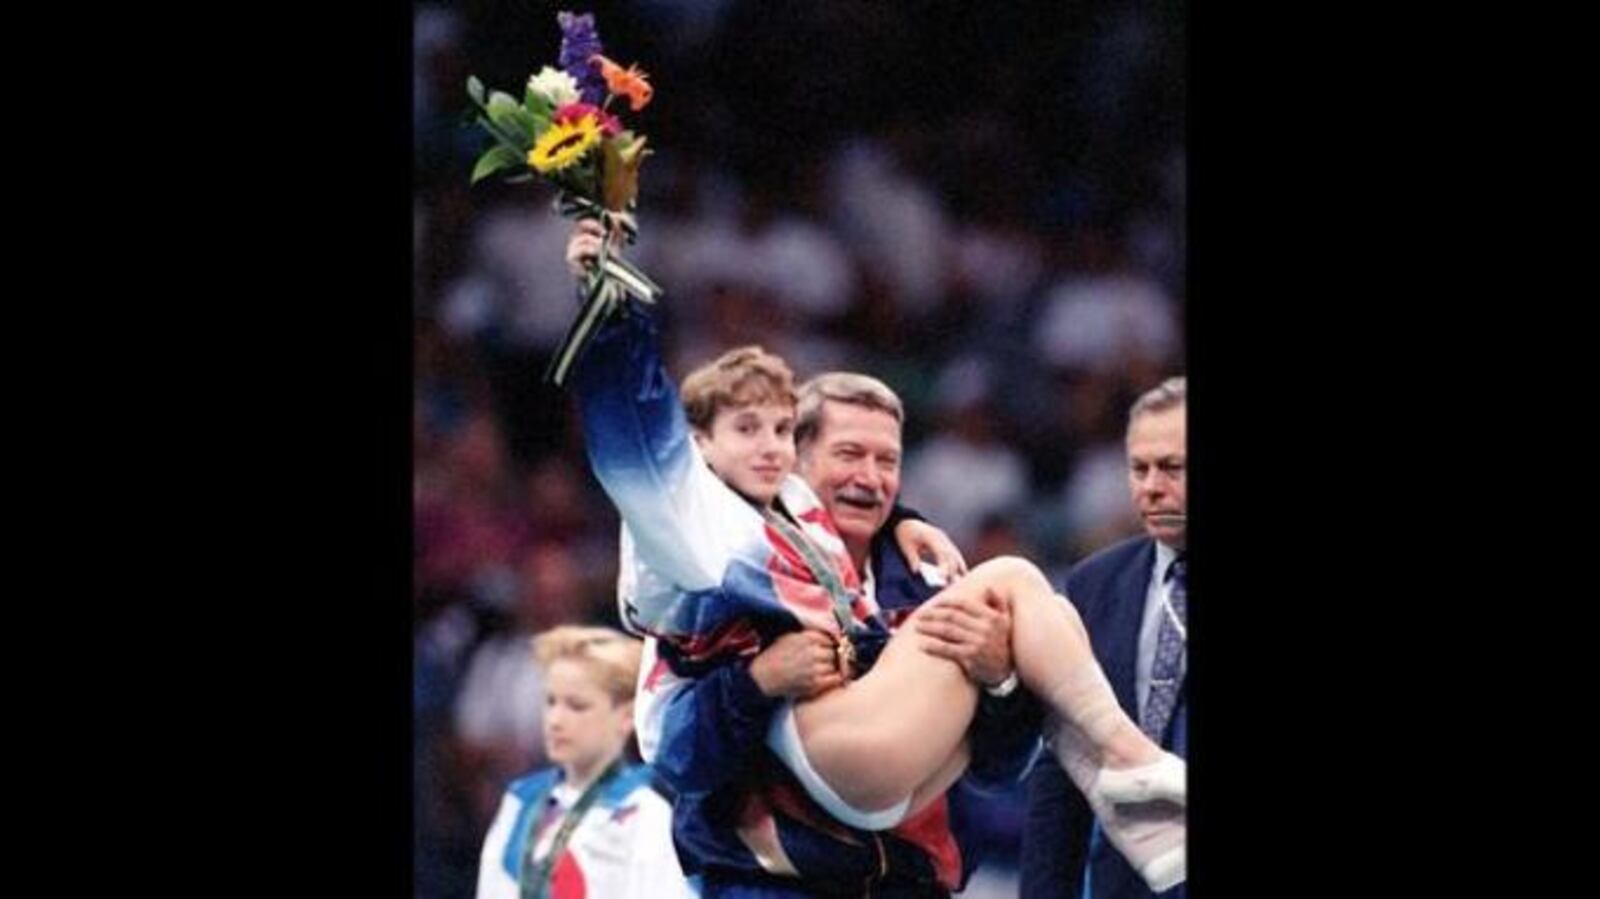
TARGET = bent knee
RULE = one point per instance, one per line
(1071, 611)
(1014, 570)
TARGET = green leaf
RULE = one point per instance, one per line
(541, 124)
(528, 124)
(510, 116)
(540, 110)
(475, 89)
(587, 177)
(538, 105)
(506, 140)
(500, 100)
(495, 159)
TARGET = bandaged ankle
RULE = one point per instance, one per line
(1075, 752)
(1082, 696)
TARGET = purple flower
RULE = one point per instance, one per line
(579, 43)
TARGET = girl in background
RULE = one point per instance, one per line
(592, 826)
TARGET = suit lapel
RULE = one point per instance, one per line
(1121, 658)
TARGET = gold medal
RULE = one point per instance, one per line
(845, 651)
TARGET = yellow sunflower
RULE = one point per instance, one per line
(564, 144)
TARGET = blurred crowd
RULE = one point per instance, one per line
(981, 204)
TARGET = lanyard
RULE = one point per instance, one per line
(535, 878)
(825, 575)
(820, 568)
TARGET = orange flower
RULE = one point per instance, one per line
(629, 82)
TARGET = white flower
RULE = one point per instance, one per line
(554, 85)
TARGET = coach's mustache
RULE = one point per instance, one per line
(860, 496)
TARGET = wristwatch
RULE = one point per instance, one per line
(1004, 688)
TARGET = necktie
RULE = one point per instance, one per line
(1166, 672)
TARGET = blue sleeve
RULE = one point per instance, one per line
(712, 728)
(897, 514)
(633, 422)
(639, 445)
(685, 531)
(685, 522)
(1055, 840)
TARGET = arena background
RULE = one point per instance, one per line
(981, 203)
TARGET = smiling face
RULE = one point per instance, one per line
(584, 727)
(751, 448)
(1157, 474)
(853, 463)
(741, 410)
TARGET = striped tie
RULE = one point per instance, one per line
(1166, 673)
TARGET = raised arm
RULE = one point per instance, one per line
(683, 522)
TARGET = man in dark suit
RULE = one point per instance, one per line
(1132, 597)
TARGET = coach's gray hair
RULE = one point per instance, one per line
(1169, 394)
(841, 387)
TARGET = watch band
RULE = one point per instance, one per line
(1004, 688)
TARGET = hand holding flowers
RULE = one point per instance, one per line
(564, 132)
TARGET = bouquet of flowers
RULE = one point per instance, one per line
(564, 132)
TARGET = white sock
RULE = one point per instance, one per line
(1166, 778)
(1151, 835)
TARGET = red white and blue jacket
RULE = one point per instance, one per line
(622, 849)
(712, 582)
